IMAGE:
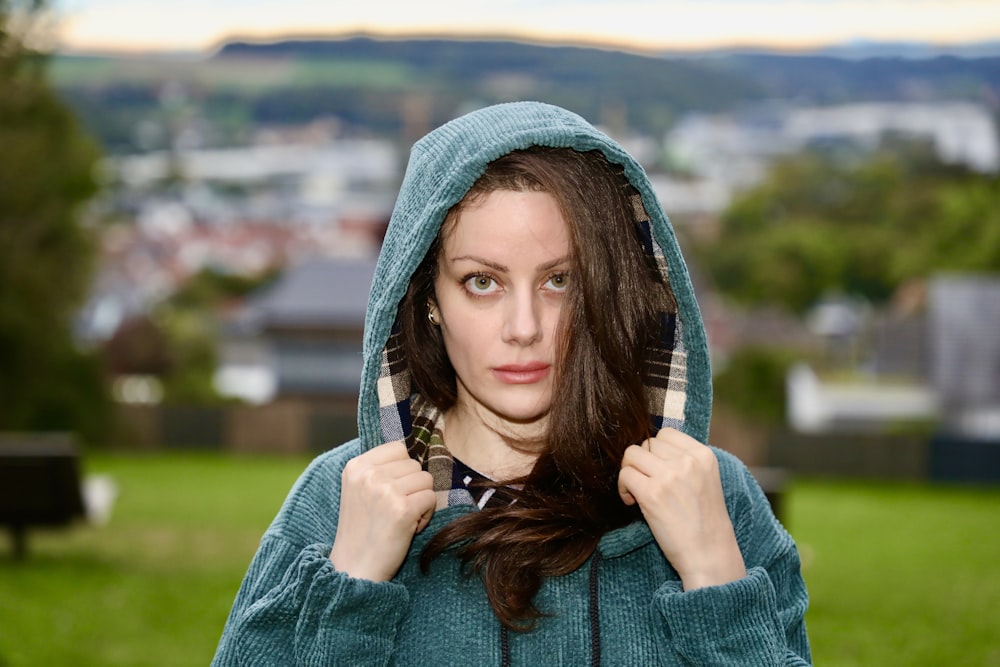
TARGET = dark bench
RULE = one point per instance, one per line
(40, 484)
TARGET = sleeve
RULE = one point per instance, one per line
(294, 608)
(758, 620)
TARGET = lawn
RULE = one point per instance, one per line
(898, 574)
(153, 587)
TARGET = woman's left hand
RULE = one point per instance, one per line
(675, 479)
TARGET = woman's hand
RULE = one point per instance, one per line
(385, 499)
(675, 479)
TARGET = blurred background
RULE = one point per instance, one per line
(192, 199)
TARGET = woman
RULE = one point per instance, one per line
(529, 484)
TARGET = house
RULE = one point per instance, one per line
(963, 319)
(300, 337)
(938, 363)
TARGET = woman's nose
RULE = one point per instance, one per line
(522, 320)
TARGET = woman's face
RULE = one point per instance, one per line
(503, 271)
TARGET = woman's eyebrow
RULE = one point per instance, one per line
(502, 268)
(554, 263)
(480, 260)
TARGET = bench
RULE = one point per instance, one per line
(40, 484)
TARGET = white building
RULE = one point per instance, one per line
(297, 183)
(961, 132)
(732, 152)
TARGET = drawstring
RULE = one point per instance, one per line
(595, 621)
(595, 613)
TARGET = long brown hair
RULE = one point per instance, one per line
(610, 318)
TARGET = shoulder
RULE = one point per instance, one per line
(327, 466)
(743, 492)
(732, 470)
(758, 530)
(310, 509)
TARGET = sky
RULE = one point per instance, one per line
(201, 25)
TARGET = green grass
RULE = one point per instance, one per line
(898, 574)
(153, 587)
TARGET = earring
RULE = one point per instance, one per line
(432, 316)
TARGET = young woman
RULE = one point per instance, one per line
(529, 485)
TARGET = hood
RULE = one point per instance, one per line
(443, 166)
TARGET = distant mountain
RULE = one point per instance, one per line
(494, 70)
(401, 87)
(819, 79)
(864, 49)
(912, 50)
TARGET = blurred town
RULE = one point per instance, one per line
(187, 243)
(845, 253)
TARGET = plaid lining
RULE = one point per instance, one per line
(667, 363)
(425, 443)
(454, 482)
(420, 424)
(394, 390)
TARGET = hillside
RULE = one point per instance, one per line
(399, 87)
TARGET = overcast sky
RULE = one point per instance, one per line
(660, 24)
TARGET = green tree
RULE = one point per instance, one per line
(752, 383)
(819, 225)
(46, 253)
(188, 324)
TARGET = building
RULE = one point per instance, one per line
(301, 337)
(726, 153)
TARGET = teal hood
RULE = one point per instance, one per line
(442, 167)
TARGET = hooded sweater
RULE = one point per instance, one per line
(626, 605)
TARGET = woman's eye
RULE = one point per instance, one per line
(481, 284)
(558, 282)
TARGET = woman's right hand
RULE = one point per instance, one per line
(385, 499)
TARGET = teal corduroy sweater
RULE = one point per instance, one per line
(625, 606)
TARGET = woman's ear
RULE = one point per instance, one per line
(432, 312)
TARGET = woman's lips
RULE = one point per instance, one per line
(529, 373)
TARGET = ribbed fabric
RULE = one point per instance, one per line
(595, 611)
(624, 607)
(294, 608)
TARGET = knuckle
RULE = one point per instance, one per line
(394, 506)
(428, 499)
(666, 434)
(368, 476)
(706, 458)
(351, 470)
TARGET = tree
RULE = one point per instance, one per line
(820, 225)
(189, 329)
(46, 252)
